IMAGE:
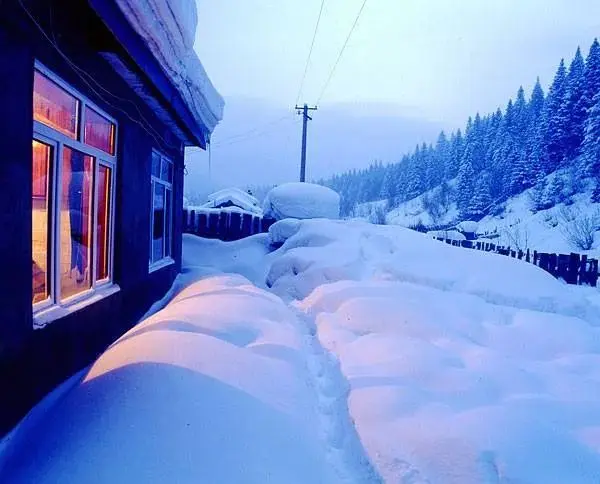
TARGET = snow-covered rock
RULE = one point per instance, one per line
(168, 28)
(301, 201)
(236, 197)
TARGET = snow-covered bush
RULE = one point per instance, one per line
(579, 228)
(377, 215)
(301, 201)
(517, 236)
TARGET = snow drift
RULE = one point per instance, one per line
(301, 201)
(377, 352)
(211, 389)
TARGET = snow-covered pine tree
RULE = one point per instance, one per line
(456, 152)
(388, 187)
(414, 179)
(554, 121)
(572, 109)
(533, 138)
(482, 199)
(591, 76)
(465, 182)
(441, 153)
(591, 145)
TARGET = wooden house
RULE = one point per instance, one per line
(97, 106)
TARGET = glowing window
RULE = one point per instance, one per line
(54, 107)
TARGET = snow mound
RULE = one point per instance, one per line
(234, 196)
(449, 388)
(447, 234)
(168, 28)
(211, 389)
(468, 226)
(322, 251)
(301, 201)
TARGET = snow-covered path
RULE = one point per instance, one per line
(344, 449)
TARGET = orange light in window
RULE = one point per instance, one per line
(53, 106)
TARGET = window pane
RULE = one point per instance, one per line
(158, 222)
(42, 154)
(99, 132)
(168, 223)
(103, 216)
(166, 170)
(156, 164)
(54, 106)
(75, 222)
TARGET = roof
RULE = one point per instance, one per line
(158, 36)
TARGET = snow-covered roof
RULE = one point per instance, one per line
(167, 29)
(237, 197)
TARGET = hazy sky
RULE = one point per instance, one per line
(437, 60)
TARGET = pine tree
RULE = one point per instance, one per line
(466, 179)
(388, 188)
(533, 139)
(441, 154)
(591, 77)
(554, 122)
(572, 109)
(482, 199)
(591, 145)
(456, 153)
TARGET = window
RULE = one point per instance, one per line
(162, 208)
(73, 168)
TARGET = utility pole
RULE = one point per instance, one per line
(305, 117)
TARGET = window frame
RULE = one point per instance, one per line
(47, 135)
(167, 259)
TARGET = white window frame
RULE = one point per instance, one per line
(168, 186)
(53, 307)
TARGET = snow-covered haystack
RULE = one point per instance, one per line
(168, 28)
(235, 197)
(301, 201)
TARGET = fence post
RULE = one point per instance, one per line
(520, 255)
(192, 224)
(185, 220)
(255, 225)
(235, 225)
(594, 273)
(573, 268)
(582, 276)
(223, 225)
(246, 225)
(527, 256)
(536, 258)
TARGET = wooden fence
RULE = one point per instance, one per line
(225, 225)
(572, 268)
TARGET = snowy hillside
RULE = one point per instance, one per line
(517, 223)
(353, 353)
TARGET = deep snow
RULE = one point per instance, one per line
(455, 366)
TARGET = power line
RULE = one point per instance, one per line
(312, 44)
(253, 133)
(341, 52)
